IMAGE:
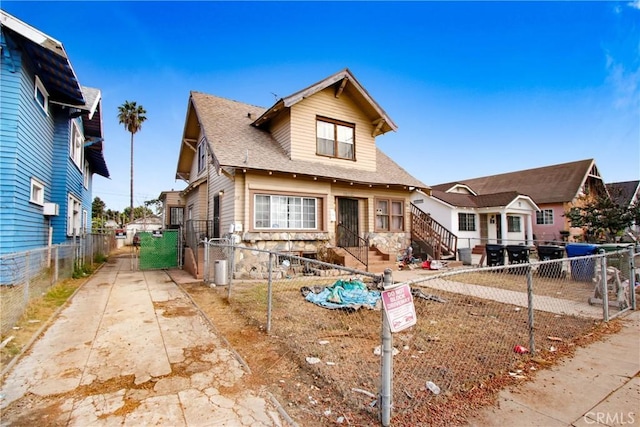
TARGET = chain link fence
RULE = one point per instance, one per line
(473, 325)
(28, 275)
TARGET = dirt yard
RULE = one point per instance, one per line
(465, 346)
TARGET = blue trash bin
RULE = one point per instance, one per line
(582, 270)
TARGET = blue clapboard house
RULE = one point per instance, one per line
(50, 141)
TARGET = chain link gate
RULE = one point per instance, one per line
(158, 250)
(218, 262)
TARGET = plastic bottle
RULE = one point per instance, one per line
(433, 387)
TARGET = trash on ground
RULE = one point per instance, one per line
(433, 387)
(312, 360)
(520, 349)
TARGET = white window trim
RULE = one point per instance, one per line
(39, 87)
(74, 218)
(76, 145)
(202, 156)
(273, 212)
(545, 217)
(85, 172)
(36, 196)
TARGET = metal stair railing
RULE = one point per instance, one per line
(353, 244)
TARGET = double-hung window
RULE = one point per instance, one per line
(466, 221)
(513, 224)
(544, 217)
(335, 139)
(176, 216)
(285, 212)
(389, 215)
(76, 145)
(74, 216)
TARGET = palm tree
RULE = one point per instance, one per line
(131, 116)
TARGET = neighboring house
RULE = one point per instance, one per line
(51, 133)
(515, 207)
(148, 224)
(626, 194)
(300, 176)
(172, 209)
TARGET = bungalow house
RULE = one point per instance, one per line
(626, 194)
(51, 130)
(303, 176)
(513, 208)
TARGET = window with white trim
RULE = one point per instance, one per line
(335, 139)
(37, 192)
(513, 224)
(202, 156)
(41, 95)
(466, 221)
(544, 217)
(85, 221)
(76, 145)
(285, 212)
(85, 172)
(74, 216)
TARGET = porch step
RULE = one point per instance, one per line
(478, 250)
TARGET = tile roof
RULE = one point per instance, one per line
(550, 184)
(236, 143)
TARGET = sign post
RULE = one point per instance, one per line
(398, 305)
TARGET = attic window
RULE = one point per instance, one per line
(335, 138)
(41, 95)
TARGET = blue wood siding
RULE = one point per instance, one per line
(34, 145)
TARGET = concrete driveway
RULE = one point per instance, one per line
(130, 348)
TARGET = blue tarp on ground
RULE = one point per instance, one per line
(345, 294)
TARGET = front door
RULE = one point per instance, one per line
(348, 218)
(499, 228)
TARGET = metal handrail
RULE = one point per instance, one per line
(359, 251)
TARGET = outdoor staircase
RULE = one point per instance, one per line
(431, 237)
(378, 261)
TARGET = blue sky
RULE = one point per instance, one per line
(476, 88)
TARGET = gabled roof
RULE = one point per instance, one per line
(344, 81)
(50, 59)
(550, 184)
(495, 200)
(92, 124)
(235, 142)
(624, 193)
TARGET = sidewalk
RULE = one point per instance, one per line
(131, 349)
(599, 386)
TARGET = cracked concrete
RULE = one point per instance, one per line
(131, 349)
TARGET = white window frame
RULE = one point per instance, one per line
(544, 217)
(36, 194)
(76, 145)
(40, 90)
(85, 221)
(85, 172)
(74, 215)
(285, 212)
(469, 222)
(514, 224)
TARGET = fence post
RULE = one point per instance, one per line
(207, 262)
(386, 364)
(27, 272)
(632, 277)
(532, 341)
(269, 293)
(56, 263)
(603, 286)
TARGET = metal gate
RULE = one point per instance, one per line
(218, 261)
(159, 249)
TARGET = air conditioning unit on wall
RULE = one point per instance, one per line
(51, 209)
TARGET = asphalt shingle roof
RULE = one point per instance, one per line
(236, 143)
